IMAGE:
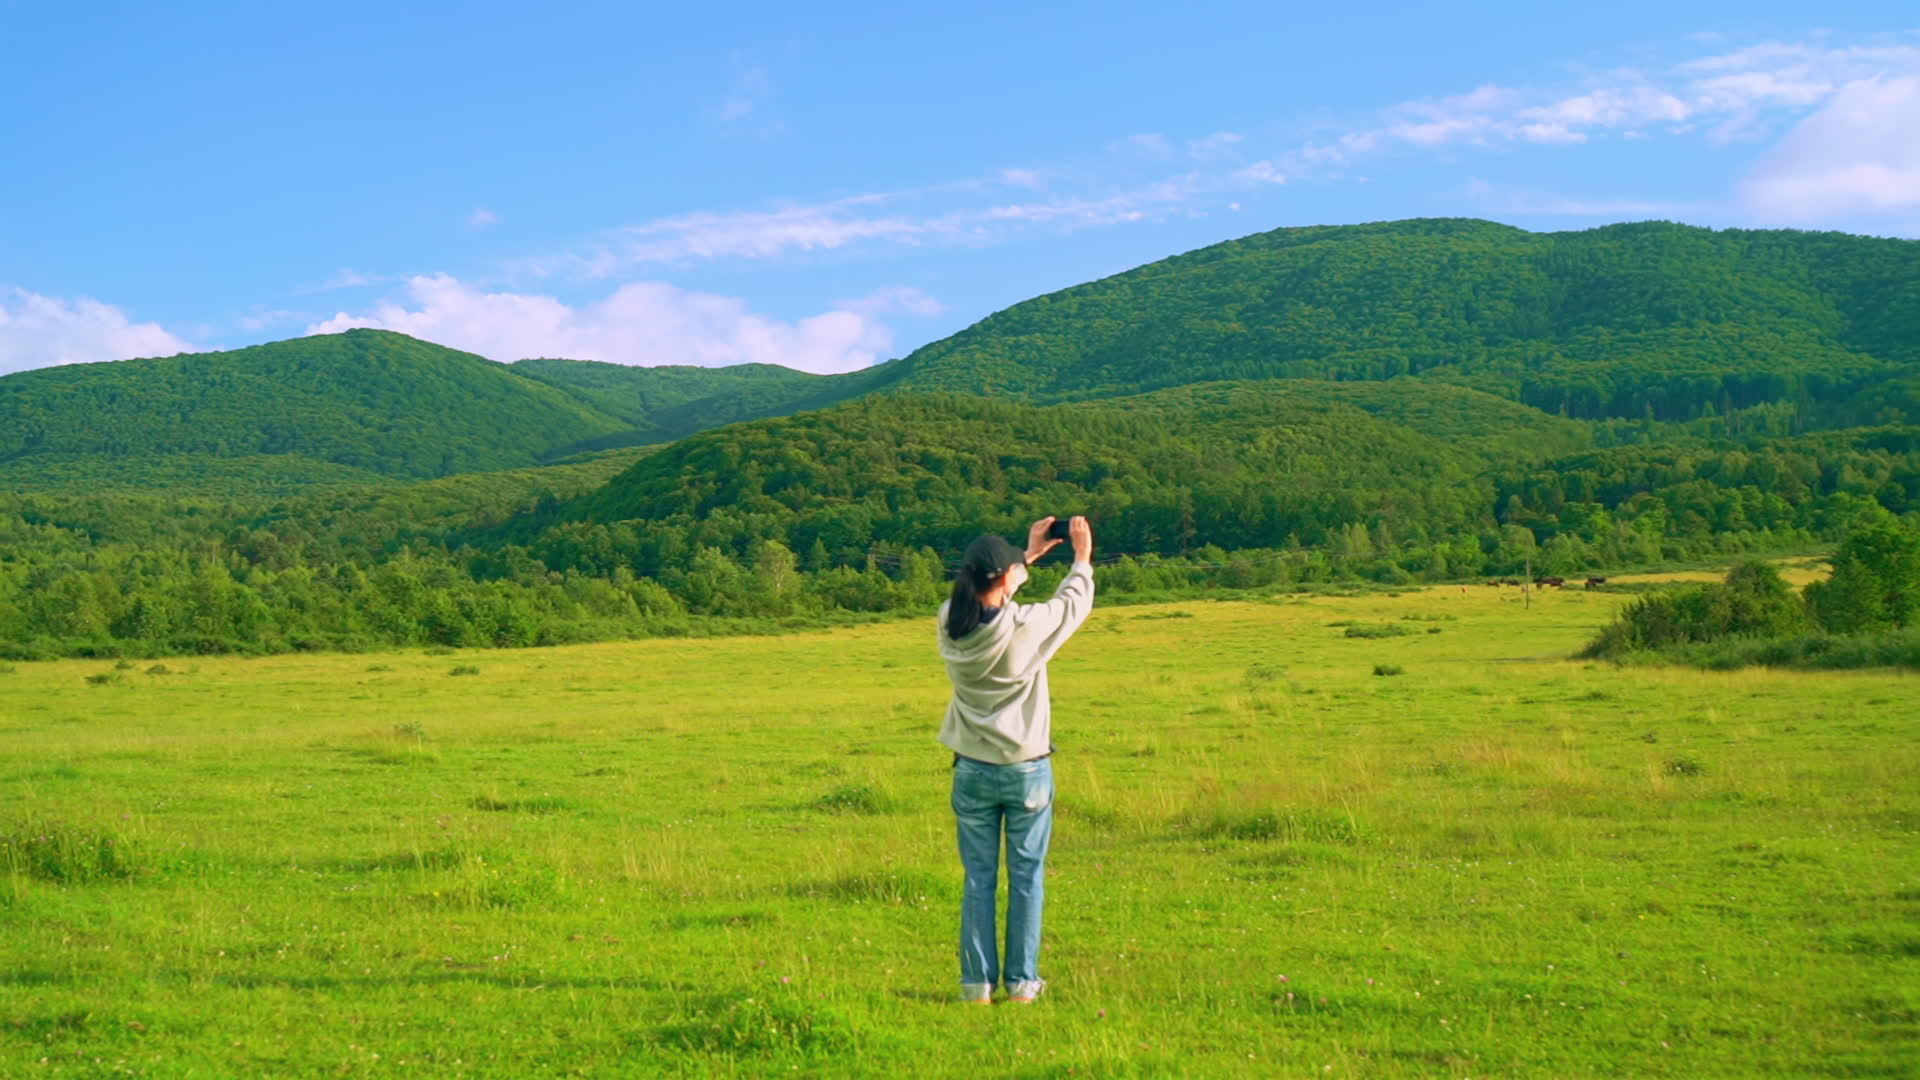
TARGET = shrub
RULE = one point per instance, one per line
(464, 669)
(1388, 669)
(1875, 583)
(1753, 602)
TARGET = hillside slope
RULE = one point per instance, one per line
(369, 400)
(1645, 320)
(664, 403)
(1235, 464)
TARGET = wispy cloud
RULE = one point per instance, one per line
(900, 299)
(344, 278)
(482, 218)
(1498, 199)
(1148, 143)
(896, 219)
(645, 323)
(1261, 172)
(262, 318)
(1208, 146)
(1847, 153)
(40, 331)
(1742, 94)
(743, 109)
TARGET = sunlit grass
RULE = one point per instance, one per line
(733, 857)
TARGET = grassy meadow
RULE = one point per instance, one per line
(1367, 836)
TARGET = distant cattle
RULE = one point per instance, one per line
(1595, 582)
(1556, 582)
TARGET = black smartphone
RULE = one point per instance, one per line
(1061, 529)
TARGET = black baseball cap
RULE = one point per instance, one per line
(989, 556)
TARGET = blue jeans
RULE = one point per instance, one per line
(986, 798)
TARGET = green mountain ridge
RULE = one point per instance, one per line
(1395, 403)
(1650, 323)
(1650, 319)
(1236, 464)
(369, 400)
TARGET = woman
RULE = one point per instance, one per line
(999, 727)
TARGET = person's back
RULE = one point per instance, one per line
(999, 725)
(1000, 711)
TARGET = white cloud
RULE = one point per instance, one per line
(766, 234)
(1150, 143)
(1503, 200)
(41, 331)
(344, 278)
(482, 218)
(760, 234)
(261, 318)
(744, 108)
(645, 323)
(1859, 154)
(1262, 172)
(1212, 145)
(1734, 95)
(895, 298)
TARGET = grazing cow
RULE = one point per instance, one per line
(1595, 582)
(1556, 582)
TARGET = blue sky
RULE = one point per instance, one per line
(829, 185)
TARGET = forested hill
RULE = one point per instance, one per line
(1762, 332)
(1266, 463)
(1639, 321)
(369, 403)
(660, 404)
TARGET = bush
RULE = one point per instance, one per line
(1388, 669)
(1875, 583)
(1753, 602)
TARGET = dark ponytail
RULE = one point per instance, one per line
(964, 610)
(987, 558)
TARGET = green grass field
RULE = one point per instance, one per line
(734, 857)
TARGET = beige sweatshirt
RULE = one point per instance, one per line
(1000, 712)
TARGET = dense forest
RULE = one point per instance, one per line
(1392, 403)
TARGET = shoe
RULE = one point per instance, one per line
(1023, 993)
(976, 993)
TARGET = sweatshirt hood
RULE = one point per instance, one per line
(981, 647)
